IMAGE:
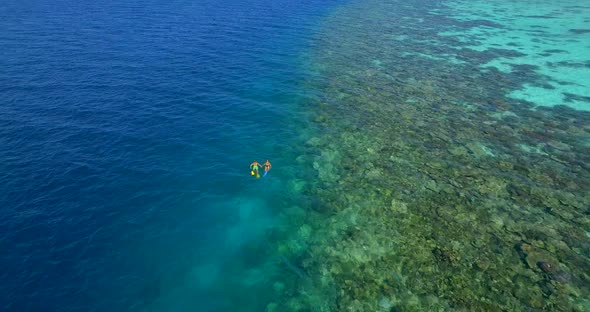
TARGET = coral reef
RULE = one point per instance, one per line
(433, 190)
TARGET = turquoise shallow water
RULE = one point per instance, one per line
(552, 39)
(427, 156)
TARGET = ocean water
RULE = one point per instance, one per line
(427, 156)
(127, 129)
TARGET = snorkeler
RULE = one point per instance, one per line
(254, 166)
(267, 166)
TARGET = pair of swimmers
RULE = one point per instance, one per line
(255, 165)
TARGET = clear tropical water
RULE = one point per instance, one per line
(127, 129)
(427, 156)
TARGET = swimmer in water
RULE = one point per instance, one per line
(267, 166)
(254, 167)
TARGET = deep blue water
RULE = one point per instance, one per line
(126, 131)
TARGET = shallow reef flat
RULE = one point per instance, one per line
(435, 189)
(553, 39)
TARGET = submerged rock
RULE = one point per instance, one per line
(315, 142)
(272, 307)
(546, 267)
(443, 255)
(398, 206)
(482, 264)
(538, 259)
(561, 277)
